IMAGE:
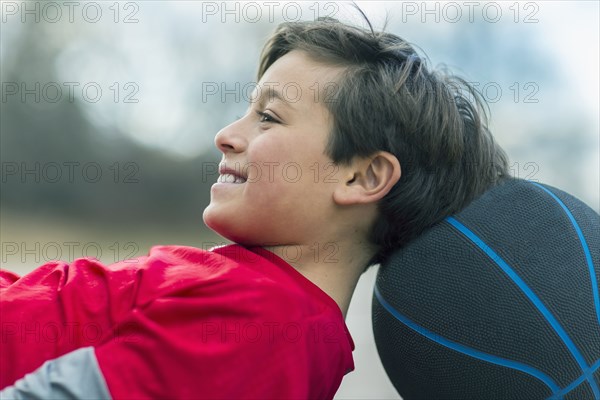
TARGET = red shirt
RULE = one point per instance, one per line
(180, 323)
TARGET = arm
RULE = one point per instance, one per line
(75, 375)
(192, 329)
(58, 308)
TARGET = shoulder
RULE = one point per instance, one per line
(248, 284)
(274, 283)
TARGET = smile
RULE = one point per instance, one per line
(230, 178)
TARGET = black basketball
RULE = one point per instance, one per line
(499, 301)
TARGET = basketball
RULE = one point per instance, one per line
(499, 301)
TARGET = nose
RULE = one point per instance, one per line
(231, 139)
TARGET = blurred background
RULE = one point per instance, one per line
(109, 110)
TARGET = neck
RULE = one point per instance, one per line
(334, 267)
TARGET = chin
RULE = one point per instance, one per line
(212, 221)
(224, 228)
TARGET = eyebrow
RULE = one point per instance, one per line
(270, 93)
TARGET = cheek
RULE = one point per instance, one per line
(266, 160)
(267, 148)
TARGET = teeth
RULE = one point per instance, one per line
(230, 178)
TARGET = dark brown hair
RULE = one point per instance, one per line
(389, 99)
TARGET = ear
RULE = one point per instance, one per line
(367, 180)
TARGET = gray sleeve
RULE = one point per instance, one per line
(76, 375)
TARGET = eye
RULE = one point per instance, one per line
(266, 117)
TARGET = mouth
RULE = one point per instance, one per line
(228, 175)
(230, 178)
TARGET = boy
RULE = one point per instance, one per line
(350, 147)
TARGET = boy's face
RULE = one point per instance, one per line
(281, 182)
